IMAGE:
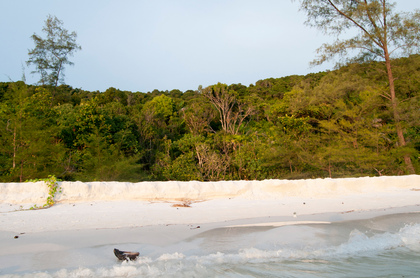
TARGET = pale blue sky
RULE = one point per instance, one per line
(141, 45)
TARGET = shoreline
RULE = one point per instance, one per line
(179, 250)
(84, 233)
(159, 235)
(128, 214)
(81, 248)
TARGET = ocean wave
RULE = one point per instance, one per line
(252, 262)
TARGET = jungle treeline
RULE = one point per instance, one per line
(327, 124)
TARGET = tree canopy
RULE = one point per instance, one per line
(327, 124)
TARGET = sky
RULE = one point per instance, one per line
(142, 45)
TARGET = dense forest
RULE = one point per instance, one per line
(328, 124)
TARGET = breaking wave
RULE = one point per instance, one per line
(371, 253)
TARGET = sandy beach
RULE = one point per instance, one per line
(89, 219)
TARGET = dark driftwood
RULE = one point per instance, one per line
(125, 256)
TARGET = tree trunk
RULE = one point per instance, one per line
(14, 148)
(394, 102)
(21, 171)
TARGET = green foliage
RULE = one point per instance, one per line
(183, 168)
(294, 126)
(29, 134)
(381, 34)
(53, 188)
(330, 124)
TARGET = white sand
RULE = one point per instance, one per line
(107, 205)
(88, 214)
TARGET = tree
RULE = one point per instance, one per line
(50, 55)
(198, 116)
(232, 111)
(381, 35)
(29, 145)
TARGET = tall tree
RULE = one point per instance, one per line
(51, 54)
(381, 35)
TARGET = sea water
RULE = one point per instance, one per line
(386, 246)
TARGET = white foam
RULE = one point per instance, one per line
(410, 237)
(359, 245)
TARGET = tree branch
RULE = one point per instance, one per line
(357, 24)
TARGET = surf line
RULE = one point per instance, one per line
(279, 224)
